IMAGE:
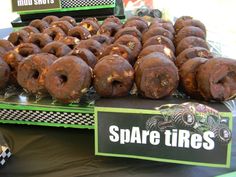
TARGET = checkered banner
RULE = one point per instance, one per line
(84, 3)
(5, 153)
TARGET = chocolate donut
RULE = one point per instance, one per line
(157, 40)
(189, 31)
(157, 48)
(217, 79)
(18, 37)
(102, 39)
(57, 48)
(4, 73)
(40, 39)
(68, 79)
(109, 29)
(55, 33)
(2, 51)
(190, 42)
(64, 25)
(156, 76)
(166, 26)
(30, 29)
(7, 45)
(70, 41)
(112, 19)
(70, 19)
(160, 20)
(85, 55)
(50, 18)
(113, 76)
(94, 46)
(129, 30)
(80, 32)
(13, 59)
(91, 26)
(39, 24)
(26, 49)
(137, 18)
(190, 53)
(191, 22)
(94, 19)
(139, 24)
(32, 72)
(180, 20)
(131, 42)
(157, 31)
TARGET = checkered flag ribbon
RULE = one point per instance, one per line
(85, 3)
(5, 153)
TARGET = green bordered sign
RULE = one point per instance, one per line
(186, 133)
(34, 5)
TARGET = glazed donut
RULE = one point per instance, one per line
(57, 48)
(157, 40)
(189, 31)
(80, 32)
(190, 42)
(139, 24)
(90, 25)
(94, 19)
(2, 51)
(40, 39)
(113, 76)
(166, 26)
(39, 24)
(68, 79)
(18, 37)
(85, 55)
(112, 19)
(13, 59)
(30, 29)
(4, 73)
(109, 29)
(55, 33)
(160, 20)
(70, 41)
(26, 49)
(94, 46)
(157, 31)
(190, 22)
(102, 39)
(190, 53)
(137, 18)
(50, 18)
(187, 75)
(217, 79)
(157, 48)
(64, 25)
(121, 50)
(156, 76)
(131, 42)
(180, 20)
(7, 45)
(129, 30)
(70, 19)
(32, 72)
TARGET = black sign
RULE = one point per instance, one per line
(187, 133)
(33, 5)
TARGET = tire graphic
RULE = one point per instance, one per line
(222, 133)
(184, 118)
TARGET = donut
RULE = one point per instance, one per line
(157, 48)
(7, 45)
(91, 26)
(137, 18)
(131, 42)
(166, 26)
(191, 22)
(2, 51)
(157, 31)
(102, 39)
(85, 55)
(40, 39)
(180, 20)
(156, 76)
(216, 79)
(39, 24)
(70, 41)
(94, 46)
(109, 29)
(50, 18)
(13, 59)
(32, 72)
(190, 42)
(4, 73)
(30, 29)
(94, 19)
(68, 79)
(18, 37)
(187, 75)
(157, 40)
(189, 31)
(129, 30)
(55, 33)
(57, 48)
(139, 24)
(64, 25)
(160, 20)
(80, 32)
(71, 20)
(26, 49)
(121, 50)
(190, 53)
(112, 19)
(113, 76)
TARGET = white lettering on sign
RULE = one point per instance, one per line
(34, 2)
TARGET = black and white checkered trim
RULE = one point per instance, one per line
(69, 118)
(84, 3)
(5, 153)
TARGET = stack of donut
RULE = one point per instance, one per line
(202, 75)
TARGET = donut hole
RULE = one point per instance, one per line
(24, 53)
(113, 32)
(63, 79)
(35, 74)
(37, 42)
(116, 83)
